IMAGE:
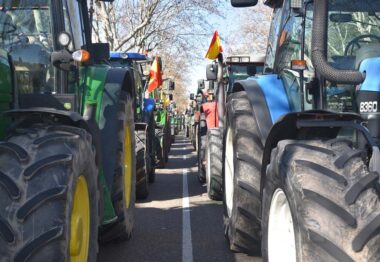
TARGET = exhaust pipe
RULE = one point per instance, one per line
(319, 40)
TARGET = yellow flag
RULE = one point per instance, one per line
(215, 47)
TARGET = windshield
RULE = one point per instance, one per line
(242, 71)
(353, 32)
(26, 34)
(239, 72)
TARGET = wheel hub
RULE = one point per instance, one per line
(281, 237)
(229, 172)
(80, 222)
(127, 172)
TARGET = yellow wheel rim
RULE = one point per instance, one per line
(127, 172)
(80, 223)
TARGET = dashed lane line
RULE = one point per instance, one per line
(187, 246)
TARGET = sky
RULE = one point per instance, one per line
(225, 25)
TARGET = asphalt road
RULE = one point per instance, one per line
(177, 222)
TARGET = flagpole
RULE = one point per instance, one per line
(220, 91)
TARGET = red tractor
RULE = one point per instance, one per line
(211, 125)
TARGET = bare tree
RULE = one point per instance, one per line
(253, 35)
(171, 29)
(144, 25)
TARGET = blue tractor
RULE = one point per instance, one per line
(301, 158)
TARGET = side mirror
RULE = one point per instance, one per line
(171, 97)
(191, 96)
(243, 3)
(201, 84)
(199, 99)
(212, 72)
(62, 59)
(211, 85)
(171, 85)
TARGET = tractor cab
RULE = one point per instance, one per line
(243, 67)
(44, 43)
(27, 38)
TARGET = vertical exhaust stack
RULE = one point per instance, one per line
(319, 51)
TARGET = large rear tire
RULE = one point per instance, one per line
(142, 165)
(201, 146)
(243, 152)
(124, 183)
(194, 137)
(49, 195)
(160, 162)
(151, 157)
(320, 204)
(214, 164)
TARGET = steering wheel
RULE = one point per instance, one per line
(356, 42)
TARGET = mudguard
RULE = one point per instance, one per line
(64, 117)
(117, 79)
(309, 125)
(268, 100)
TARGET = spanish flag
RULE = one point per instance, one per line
(155, 76)
(215, 47)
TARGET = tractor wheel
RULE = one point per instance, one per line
(243, 152)
(142, 186)
(49, 195)
(150, 153)
(167, 144)
(201, 145)
(159, 159)
(320, 204)
(124, 183)
(194, 137)
(214, 155)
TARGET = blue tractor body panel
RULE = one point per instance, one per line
(268, 99)
(275, 96)
(127, 55)
(371, 68)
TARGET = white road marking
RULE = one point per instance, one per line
(187, 246)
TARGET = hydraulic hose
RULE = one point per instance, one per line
(319, 43)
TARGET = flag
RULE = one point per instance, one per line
(215, 47)
(155, 76)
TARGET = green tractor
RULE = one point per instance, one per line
(163, 125)
(67, 156)
(144, 121)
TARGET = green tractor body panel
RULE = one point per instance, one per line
(161, 118)
(95, 78)
(94, 81)
(5, 90)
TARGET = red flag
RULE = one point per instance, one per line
(215, 47)
(155, 76)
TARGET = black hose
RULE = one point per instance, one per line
(319, 40)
